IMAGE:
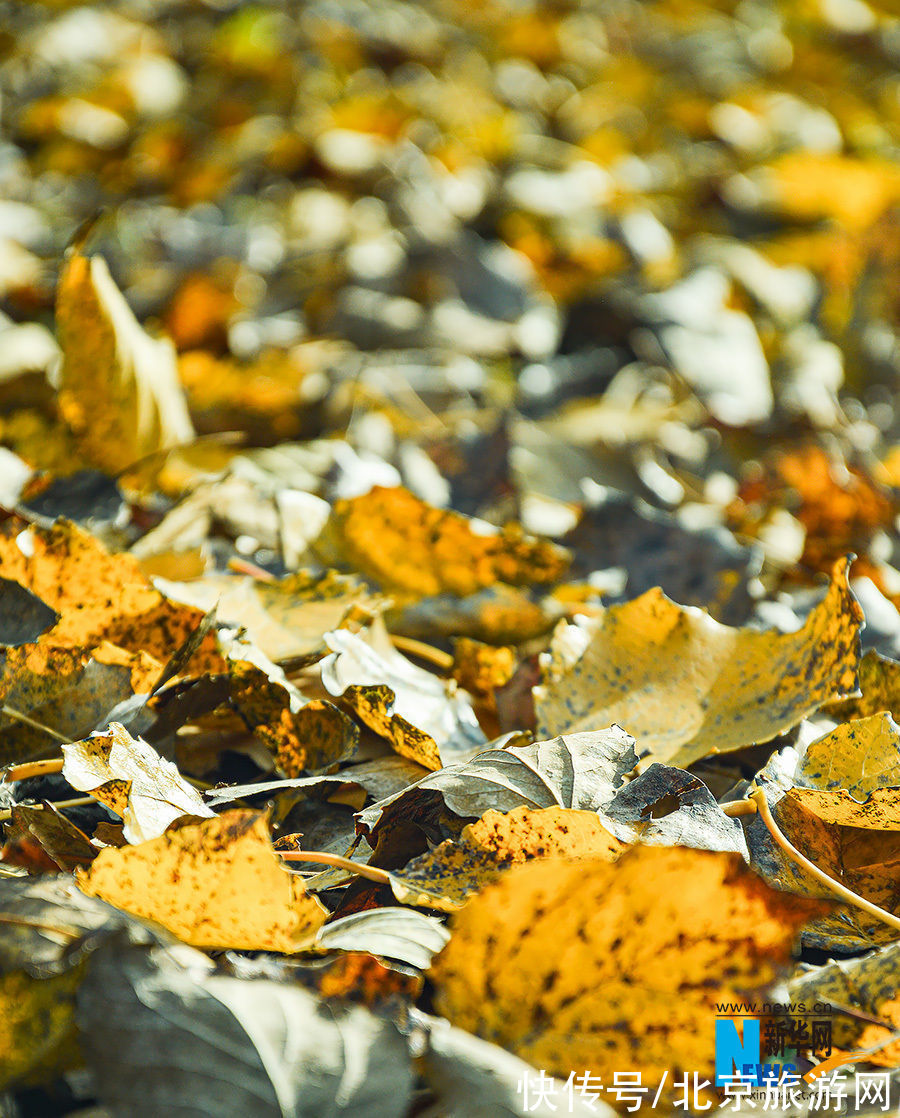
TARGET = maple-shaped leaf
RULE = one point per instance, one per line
(600, 965)
(686, 686)
(118, 388)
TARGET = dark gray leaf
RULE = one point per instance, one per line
(665, 806)
(23, 616)
(188, 1043)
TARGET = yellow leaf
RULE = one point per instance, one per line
(412, 547)
(214, 884)
(597, 966)
(858, 756)
(879, 681)
(119, 389)
(446, 877)
(685, 686)
(98, 596)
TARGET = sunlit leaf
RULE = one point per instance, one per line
(119, 388)
(686, 686)
(663, 933)
(131, 778)
(217, 883)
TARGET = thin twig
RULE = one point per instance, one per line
(32, 769)
(845, 894)
(321, 859)
(11, 712)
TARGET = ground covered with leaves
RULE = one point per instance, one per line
(449, 566)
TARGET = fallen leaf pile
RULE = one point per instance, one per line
(449, 556)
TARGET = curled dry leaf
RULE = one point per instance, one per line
(423, 719)
(663, 933)
(118, 388)
(446, 877)
(686, 686)
(129, 776)
(217, 883)
(416, 549)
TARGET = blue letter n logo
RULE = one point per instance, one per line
(732, 1052)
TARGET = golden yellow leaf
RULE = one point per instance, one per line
(591, 965)
(99, 596)
(858, 756)
(119, 389)
(407, 545)
(685, 686)
(446, 877)
(879, 681)
(216, 884)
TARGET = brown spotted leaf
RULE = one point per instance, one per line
(406, 545)
(98, 596)
(446, 877)
(217, 883)
(663, 933)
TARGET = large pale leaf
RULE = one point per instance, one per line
(189, 1042)
(576, 770)
(686, 686)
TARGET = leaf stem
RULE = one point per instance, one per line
(440, 659)
(321, 859)
(79, 801)
(739, 807)
(845, 894)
